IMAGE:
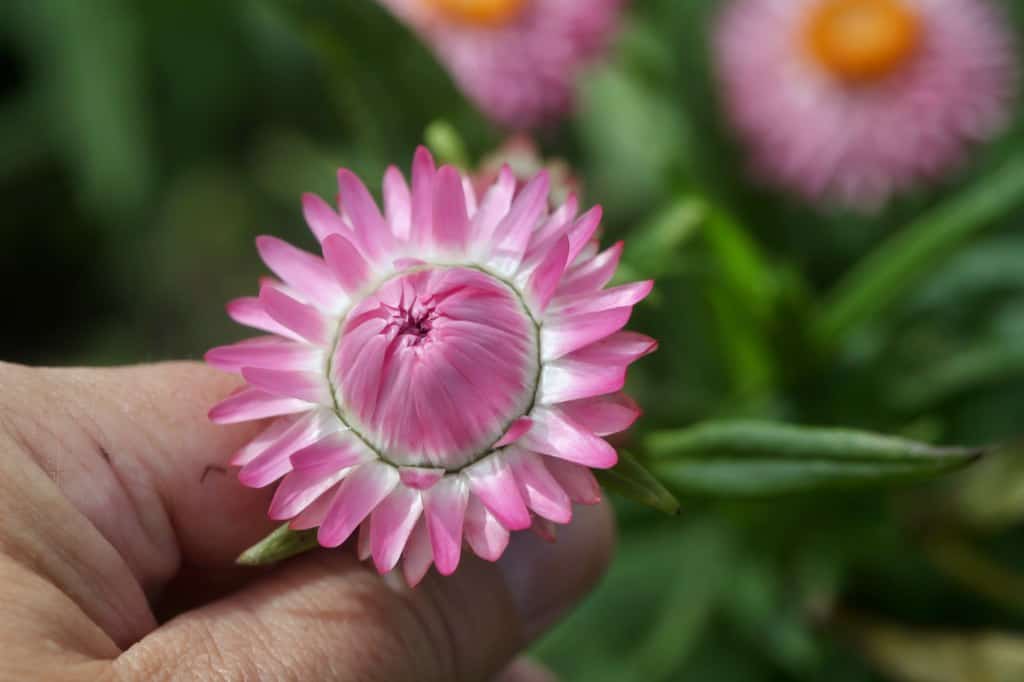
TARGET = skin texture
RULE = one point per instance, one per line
(119, 529)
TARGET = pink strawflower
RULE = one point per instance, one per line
(446, 372)
(516, 59)
(853, 100)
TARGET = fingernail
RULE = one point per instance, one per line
(545, 579)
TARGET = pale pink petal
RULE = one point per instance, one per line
(321, 218)
(545, 278)
(391, 524)
(570, 379)
(445, 508)
(451, 220)
(422, 196)
(275, 461)
(603, 415)
(249, 404)
(420, 478)
(268, 352)
(615, 297)
(492, 481)
(340, 449)
(540, 490)
(302, 271)
(514, 432)
(577, 481)
(364, 547)
(593, 274)
(264, 440)
(349, 267)
(303, 319)
(397, 203)
(493, 208)
(309, 386)
(512, 235)
(418, 554)
(484, 533)
(565, 334)
(313, 515)
(299, 489)
(250, 312)
(583, 231)
(372, 230)
(554, 434)
(357, 496)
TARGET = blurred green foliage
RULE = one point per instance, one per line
(144, 145)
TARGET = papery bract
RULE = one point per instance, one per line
(445, 373)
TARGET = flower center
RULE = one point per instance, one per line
(862, 40)
(480, 12)
(432, 367)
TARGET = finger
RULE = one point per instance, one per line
(525, 670)
(325, 616)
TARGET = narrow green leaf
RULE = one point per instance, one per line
(281, 544)
(907, 256)
(760, 458)
(630, 479)
(653, 248)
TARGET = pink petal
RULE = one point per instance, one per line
(570, 379)
(554, 434)
(492, 481)
(565, 334)
(303, 319)
(299, 489)
(420, 478)
(309, 386)
(348, 265)
(513, 233)
(321, 218)
(268, 436)
(583, 231)
(268, 352)
(391, 524)
(604, 299)
(494, 207)
(303, 271)
(544, 280)
(484, 533)
(593, 274)
(313, 515)
(397, 203)
(514, 432)
(357, 496)
(250, 312)
(603, 415)
(340, 449)
(418, 556)
(275, 461)
(249, 404)
(577, 481)
(541, 491)
(445, 509)
(369, 224)
(622, 348)
(422, 196)
(364, 548)
(451, 221)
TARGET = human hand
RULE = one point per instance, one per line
(118, 531)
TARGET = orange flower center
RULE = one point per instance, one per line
(480, 12)
(862, 40)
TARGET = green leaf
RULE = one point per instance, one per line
(281, 544)
(630, 479)
(760, 458)
(902, 260)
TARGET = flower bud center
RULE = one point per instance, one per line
(480, 12)
(432, 367)
(862, 40)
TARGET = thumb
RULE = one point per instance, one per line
(325, 616)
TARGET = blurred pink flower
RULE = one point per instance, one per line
(516, 59)
(446, 372)
(853, 100)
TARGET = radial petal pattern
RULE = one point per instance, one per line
(444, 374)
(851, 101)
